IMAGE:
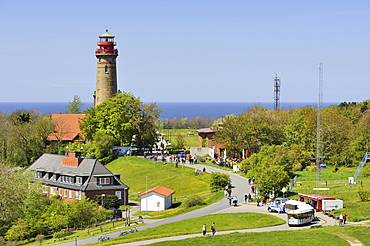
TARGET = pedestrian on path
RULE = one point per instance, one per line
(230, 200)
(340, 219)
(258, 201)
(213, 228)
(204, 229)
(344, 218)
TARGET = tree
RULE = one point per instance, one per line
(219, 180)
(121, 117)
(144, 127)
(14, 187)
(272, 168)
(75, 106)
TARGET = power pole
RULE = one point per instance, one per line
(276, 92)
(318, 139)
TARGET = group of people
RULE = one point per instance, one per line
(342, 219)
(213, 229)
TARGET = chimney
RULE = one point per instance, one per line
(73, 159)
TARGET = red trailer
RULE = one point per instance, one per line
(315, 200)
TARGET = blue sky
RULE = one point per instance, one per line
(187, 51)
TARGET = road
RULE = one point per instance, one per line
(240, 187)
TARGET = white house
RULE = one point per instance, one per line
(156, 199)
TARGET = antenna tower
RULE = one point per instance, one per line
(276, 92)
(318, 139)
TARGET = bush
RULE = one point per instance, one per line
(219, 181)
(363, 193)
(193, 201)
(55, 196)
(61, 234)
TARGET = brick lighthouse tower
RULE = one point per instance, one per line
(106, 73)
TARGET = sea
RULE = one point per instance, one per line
(169, 110)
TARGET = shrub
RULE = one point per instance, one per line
(193, 201)
(363, 193)
(61, 234)
(40, 238)
(219, 180)
(55, 196)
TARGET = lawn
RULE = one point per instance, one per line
(223, 222)
(141, 174)
(190, 136)
(337, 182)
(328, 236)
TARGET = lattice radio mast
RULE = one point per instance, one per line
(318, 140)
(276, 92)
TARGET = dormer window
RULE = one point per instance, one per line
(104, 181)
(79, 180)
(38, 175)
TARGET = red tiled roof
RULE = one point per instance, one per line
(161, 190)
(66, 127)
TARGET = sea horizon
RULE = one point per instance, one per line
(169, 109)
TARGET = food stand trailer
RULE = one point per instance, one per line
(315, 200)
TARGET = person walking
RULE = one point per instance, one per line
(344, 218)
(213, 228)
(204, 229)
(340, 219)
(258, 201)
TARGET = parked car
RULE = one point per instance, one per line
(277, 205)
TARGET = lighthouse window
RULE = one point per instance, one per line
(106, 69)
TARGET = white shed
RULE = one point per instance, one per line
(156, 199)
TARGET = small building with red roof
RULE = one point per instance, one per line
(66, 128)
(156, 199)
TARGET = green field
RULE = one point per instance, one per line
(327, 236)
(190, 136)
(141, 174)
(337, 182)
(224, 222)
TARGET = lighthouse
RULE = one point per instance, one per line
(106, 72)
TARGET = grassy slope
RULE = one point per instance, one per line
(136, 170)
(232, 221)
(339, 188)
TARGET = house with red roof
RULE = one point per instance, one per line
(156, 199)
(66, 128)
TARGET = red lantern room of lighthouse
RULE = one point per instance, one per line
(106, 45)
(106, 74)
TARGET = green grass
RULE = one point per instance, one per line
(86, 233)
(224, 222)
(339, 188)
(319, 236)
(190, 136)
(140, 173)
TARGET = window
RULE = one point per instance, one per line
(106, 69)
(118, 194)
(79, 180)
(78, 195)
(38, 175)
(61, 192)
(104, 181)
(70, 194)
(65, 193)
(45, 189)
(53, 190)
